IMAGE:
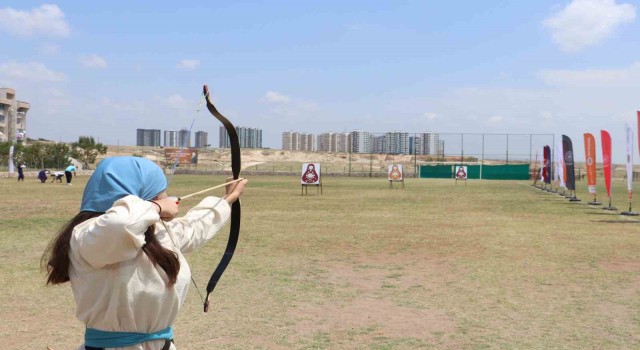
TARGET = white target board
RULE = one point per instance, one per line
(395, 172)
(310, 174)
(461, 172)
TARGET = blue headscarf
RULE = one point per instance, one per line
(118, 177)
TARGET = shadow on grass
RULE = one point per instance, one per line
(618, 221)
(572, 205)
(601, 213)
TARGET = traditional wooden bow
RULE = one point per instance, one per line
(234, 232)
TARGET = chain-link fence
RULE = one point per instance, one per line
(372, 157)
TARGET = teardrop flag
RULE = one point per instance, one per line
(11, 166)
(590, 155)
(567, 148)
(546, 154)
(629, 161)
(606, 160)
(560, 166)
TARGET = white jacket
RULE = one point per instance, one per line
(115, 285)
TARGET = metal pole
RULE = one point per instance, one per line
(530, 147)
(349, 162)
(482, 157)
(461, 147)
(507, 149)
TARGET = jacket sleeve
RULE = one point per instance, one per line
(200, 223)
(115, 236)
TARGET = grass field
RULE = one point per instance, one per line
(489, 265)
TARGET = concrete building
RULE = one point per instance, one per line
(289, 140)
(184, 138)
(171, 138)
(334, 142)
(415, 145)
(396, 142)
(343, 142)
(247, 137)
(378, 144)
(292, 140)
(429, 143)
(148, 137)
(361, 141)
(307, 142)
(13, 117)
(324, 142)
(201, 139)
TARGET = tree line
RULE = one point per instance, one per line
(50, 155)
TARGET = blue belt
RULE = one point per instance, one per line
(107, 339)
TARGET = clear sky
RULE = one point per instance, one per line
(106, 68)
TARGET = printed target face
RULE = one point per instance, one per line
(461, 172)
(310, 174)
(395, 172)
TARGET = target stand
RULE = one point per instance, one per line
(306, 186)
(392, 181)
(461, 173)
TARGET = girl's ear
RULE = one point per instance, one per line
(161, 195)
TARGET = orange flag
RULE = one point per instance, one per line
(590, 154)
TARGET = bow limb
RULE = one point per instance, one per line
(234, 232)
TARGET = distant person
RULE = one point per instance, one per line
(43, 175)
(123, 254)
(21, 167)
(57, 176)
(69, 173)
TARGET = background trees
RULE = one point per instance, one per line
(49, 155)
(86, 150)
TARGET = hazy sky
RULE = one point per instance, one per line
(106, 68)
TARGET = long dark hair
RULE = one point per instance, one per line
(55, 259)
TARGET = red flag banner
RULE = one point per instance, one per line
(606, 159)
(545, 164)
(590, 155)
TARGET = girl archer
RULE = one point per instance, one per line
(123, 254)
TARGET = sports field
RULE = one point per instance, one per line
(489, 265)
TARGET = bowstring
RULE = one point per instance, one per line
(173, 171)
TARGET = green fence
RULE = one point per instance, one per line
(486, 172)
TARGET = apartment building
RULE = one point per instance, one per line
(396, 142)
(307, 142)
(361, 142)
(13, 117)
(171, 138)
(290, 140)
(247, 137)
(429, 143)
(201, 139)
(148, 137)
(334, 142)
(297, 141)
(184, 138)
